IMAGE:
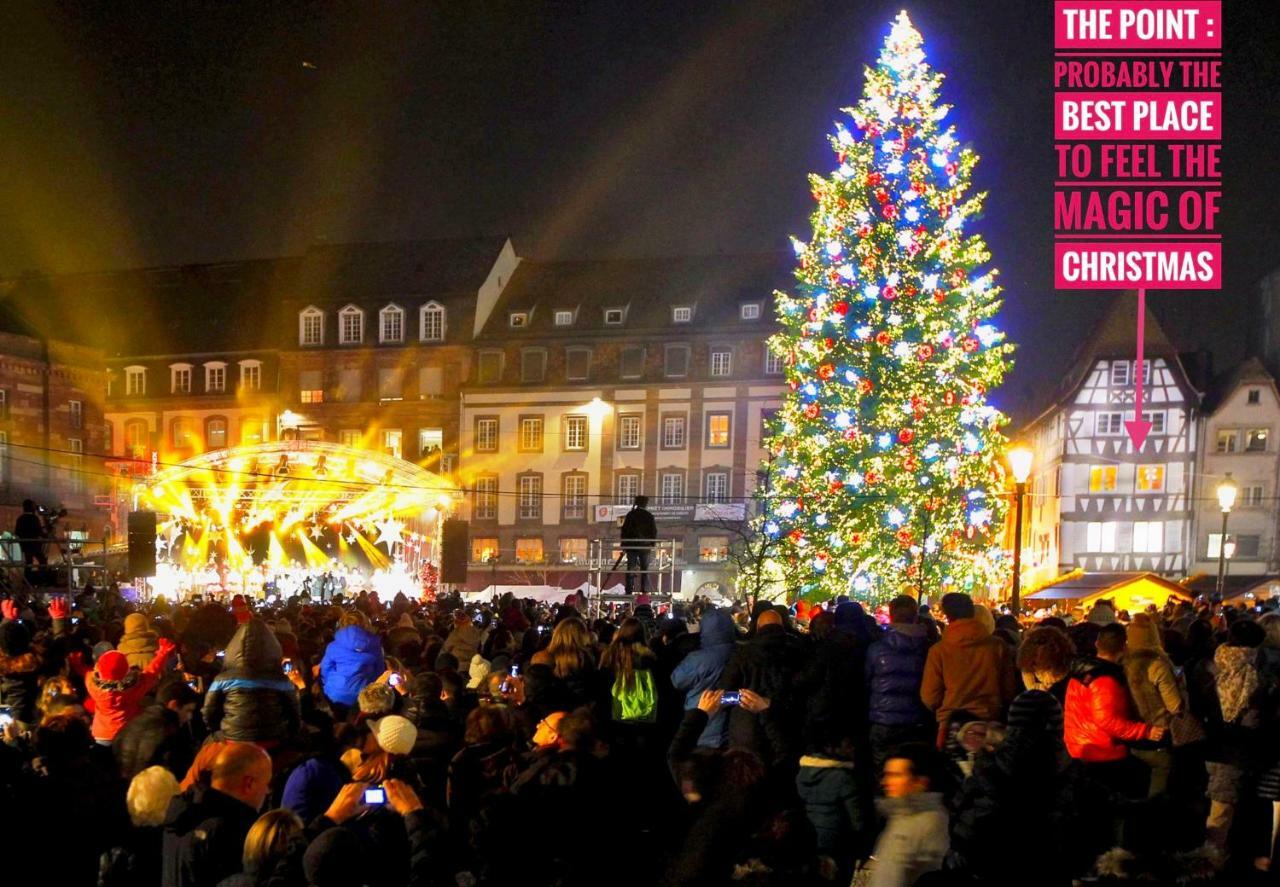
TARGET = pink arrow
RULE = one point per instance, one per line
(1138, 428)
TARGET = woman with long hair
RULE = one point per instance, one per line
(272, 851)
(626, 660)
(573, 661)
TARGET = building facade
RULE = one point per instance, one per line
(1094, 502)
(1239, 443)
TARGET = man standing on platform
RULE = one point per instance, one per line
(639, 533)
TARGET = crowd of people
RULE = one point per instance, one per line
(357, 742)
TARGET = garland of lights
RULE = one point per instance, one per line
(886, 455)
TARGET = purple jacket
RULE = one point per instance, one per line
(895, 668)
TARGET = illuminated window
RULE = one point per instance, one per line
(392, 442)
(1255, 440)
(486, 497)
(1227, 440)
(530, 496)
(311, 327)
(529, 551)
(487, 434)
(614, 316)
(251, 375)
(430, 442)
(182, 433)
(1148, 537)
(1150, 478)
(350, 326)
(1102, 479)
(484, 549)
(629, 432)
(673, 436)
(391, 324)
(573, 500)
(519, 319)
(721, 362)
(573, 550)
(715, 487)
(351, 437)
(431, 322)
(713, 549)
(531, 434)
(215, 433)
(137, 438)
(1100, 536)
(1245, 546)
(718, 436)
(311, 386)
(575, 432)
(215, 377)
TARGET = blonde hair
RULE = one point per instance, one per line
(373, 769)
(1143, 633)
(149, 794)
(353, 617)
(53, 687)
(570, 648)
(269, 838)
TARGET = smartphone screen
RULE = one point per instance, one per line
(6, 716)
(394, 679)
(288, 667)
(731, 697)
(376, 795)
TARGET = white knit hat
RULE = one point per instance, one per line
(396, 735)
(478, 671)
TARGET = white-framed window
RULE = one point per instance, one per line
(489, 369)
(564, 318)
(530, 500)
(614, 316)
(350, 326)
(631, 362)
(179, 378)
(251, 375)
(486, 497)
(430, 442)
(531, 434)
(749, 311)
(393, 442)
(1255, 440)
(715, 486)
(627, 487)
(1121, 373)
(1157, 421)
(676, 361)
(215, 376)
(673, 432)
(630, 432)
(1108, 423)
(1100, 536)
(215, 433)
(1245, 546)
(772, 363)
(1253, 495)
(574, 500)
(1227, 440)
(721, 362)
(75, 414)
(310, 326)
(431, 322)
(575, 432)
(681, 314)
(1148, 537)
(518, 319)
(135, 381)
(672, 488)
(533, 364)
(577, 364)
(719, 430)
(391, 324)
(487, 434)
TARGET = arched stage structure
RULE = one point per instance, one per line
(288, 516)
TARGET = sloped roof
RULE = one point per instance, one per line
(354, 271)
(1251, 371)
(1085, 585)
(646, 288)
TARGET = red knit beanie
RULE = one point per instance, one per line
(112, 666)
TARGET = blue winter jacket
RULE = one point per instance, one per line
(351, 662)
(701, 670)
(895, 668)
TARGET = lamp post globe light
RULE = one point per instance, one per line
(1020, 458)
(1226, 501)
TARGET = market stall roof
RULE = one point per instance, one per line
(1128, 590)
(1258, 587)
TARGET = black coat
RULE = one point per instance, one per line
(135, 861)
(19, 669)
(155, 736)
(639, 529)
(768, 665)
(251, 700)
(204, 832)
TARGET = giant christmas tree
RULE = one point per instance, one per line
(886, 473)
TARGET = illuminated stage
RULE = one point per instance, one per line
(288, 516)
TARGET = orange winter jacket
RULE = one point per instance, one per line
(968, 670)
(116, 703)
(1096, 716)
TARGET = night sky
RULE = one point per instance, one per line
(181, 132)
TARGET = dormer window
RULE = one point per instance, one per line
(749, 311)
(431, 322)
(564, 318)
(311, 326)
(135, 380)
(350, 326)
(519, 319)
(180, 378)
(391, 324)
(614, 316)
(681, 314)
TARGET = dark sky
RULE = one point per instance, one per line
(174, 132)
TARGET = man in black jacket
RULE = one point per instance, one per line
(639, 532)
(205, 827)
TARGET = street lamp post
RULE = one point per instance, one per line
(1226, 499)
(1020, 466)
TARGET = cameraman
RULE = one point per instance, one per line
(29, 529)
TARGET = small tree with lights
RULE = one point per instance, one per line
(885, 455)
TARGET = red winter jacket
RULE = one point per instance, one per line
(116, 703)
(1096, 715)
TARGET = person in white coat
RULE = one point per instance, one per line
(915, 839)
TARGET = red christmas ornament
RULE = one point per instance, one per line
(828, 343)
(851, 434)
(855, 538)
(796, 535)
(949, 398)
(836, 486)
(826, 371)
(939, 296)
(910, 463)
(864, 230)
(813, 315)
(865, 386)
(906, 436)
(812, 411)
(910, 289)
(883, 339)
(841, 308)
(924, 352)
(841, 155)
(890, 293)
(882, 195)
(913, 571)
(874, 179)
(890, 211)
(904, 538)
(970, 344)
(871, 477)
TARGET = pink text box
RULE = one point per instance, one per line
(1166, 266)
(1207, 25)
(1116, 119)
